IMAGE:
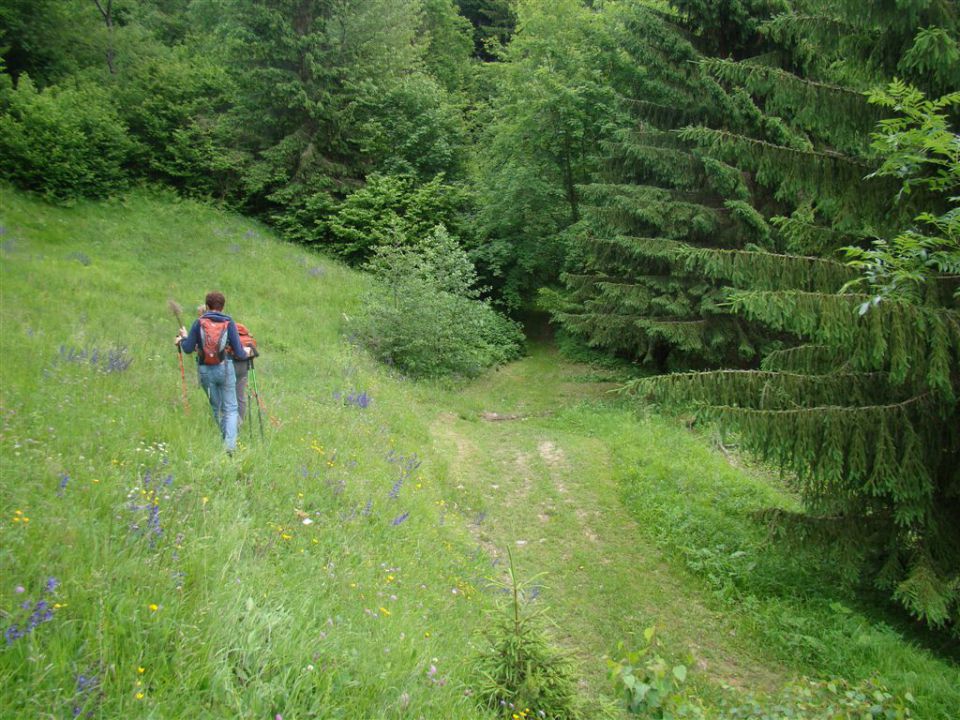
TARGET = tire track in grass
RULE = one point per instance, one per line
(550, 494)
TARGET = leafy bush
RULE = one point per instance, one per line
(426, 316)
(522, 675)
(393, 209)
(173, 106)
(63, 142)
(648, 684)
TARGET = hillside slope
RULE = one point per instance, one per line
(338, 567)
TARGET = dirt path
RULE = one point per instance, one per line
(549, 493)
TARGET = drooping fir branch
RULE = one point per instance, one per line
(810, 359)
(802, 235)
(722, 139)
(773, 390)
(801, 174)
(913, 342)
(767, 270)
(837, 115)
(642, 209)
(835, 450)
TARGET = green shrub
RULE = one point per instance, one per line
(648, 684)
(173, 107)
(520, 673)
(63, 142)
(392, 209)
(425, 316)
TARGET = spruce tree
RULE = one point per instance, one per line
(635, 282)
(860, 405)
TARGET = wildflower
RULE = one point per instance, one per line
(400, 519)
(52, 584)
(139, 696)
(384, 611)
(141, 670)
(19, 589)
(64, 479)
(153, 607)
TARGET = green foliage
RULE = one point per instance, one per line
(494, 22)
(425, 317)
(520, 673)
(648, 684)
(551, 107)
(172, 105)
(865, 416)
(62, 142)
(410, 127)
(394, 209)
(835, 699)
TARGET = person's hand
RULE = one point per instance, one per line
(177, 339)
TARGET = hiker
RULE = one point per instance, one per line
(210, 335)
(241, 368)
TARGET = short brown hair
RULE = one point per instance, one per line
(215, 300)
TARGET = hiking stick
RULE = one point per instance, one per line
(177, 311)
(256, 394)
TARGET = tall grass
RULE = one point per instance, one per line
(332, 568)
(307, 577)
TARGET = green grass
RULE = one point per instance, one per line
(634, 520)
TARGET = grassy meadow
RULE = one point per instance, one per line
(339, 566)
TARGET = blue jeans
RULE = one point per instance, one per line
(220, 383)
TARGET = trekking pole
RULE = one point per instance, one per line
(246, 420)
(256, 394)
(177, 310)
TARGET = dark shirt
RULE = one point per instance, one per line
(190, 342)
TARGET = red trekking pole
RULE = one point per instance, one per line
(177, 310)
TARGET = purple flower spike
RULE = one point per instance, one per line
(400, 519)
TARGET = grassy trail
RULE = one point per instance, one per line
(546, 488)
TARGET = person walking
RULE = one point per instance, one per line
(210, 335)
(242, 368)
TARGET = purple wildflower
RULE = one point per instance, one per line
(400, 519)
(12, 634)
(64, 479)
(395, 490)
(52, 584)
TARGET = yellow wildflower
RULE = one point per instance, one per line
(384, 611)
(139, 696)
(141, 670)
(153, 607)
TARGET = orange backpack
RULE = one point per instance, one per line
(213, 340)
(246, 340)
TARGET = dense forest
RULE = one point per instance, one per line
(755, 202)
